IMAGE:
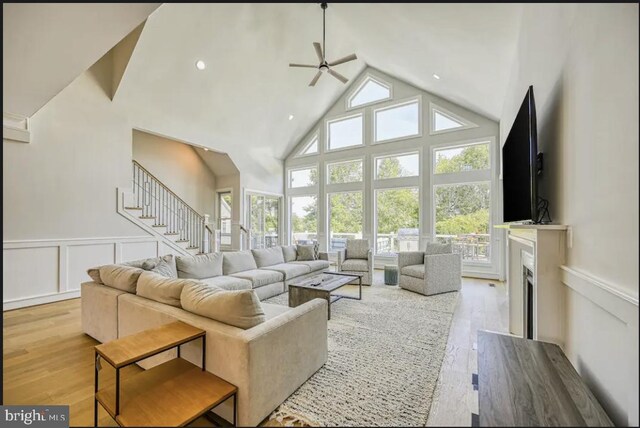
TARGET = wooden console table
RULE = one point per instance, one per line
(173, 393)
(529, 383)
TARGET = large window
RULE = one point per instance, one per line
(462, 218)
(344, 133)
(399, 121)
(345, 218)
(462, 199)
(344, 172)
(397, 220)
(397, 166)
(263, 212)
(304, 219)
(303, 177)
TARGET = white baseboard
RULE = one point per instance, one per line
(39, 300)
(601, 340)
(47, 270)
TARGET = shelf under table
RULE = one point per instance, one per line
(173, 393)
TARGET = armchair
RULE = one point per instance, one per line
(357, 257)
(437, 270)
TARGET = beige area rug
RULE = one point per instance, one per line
(385, 354)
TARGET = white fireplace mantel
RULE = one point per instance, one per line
(543, 248)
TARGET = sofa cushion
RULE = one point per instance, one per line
(357, 249)
(161, 289)
(239, 308)
(268, 256)
(416, 271)
(438, 248)
(228, 282)
(305, 253)
(123, 278)
(260, 277)
(146, 264)
(356, 265)
(289, 253)
(314, 265)
(237, 261)
(200, 266)
(290, 270)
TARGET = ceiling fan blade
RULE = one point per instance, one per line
(338, 76)
(315, 78)
(318, 49)
(343, 60)
(303, 65)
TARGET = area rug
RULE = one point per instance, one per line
(385, 354)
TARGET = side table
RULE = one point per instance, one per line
(174, 393)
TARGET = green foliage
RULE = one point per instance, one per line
(346, 212)
(471, 158)
(346, 172)
(398, 209)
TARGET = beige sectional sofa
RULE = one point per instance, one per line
(267, 362)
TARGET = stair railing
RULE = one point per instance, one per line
(159, 202)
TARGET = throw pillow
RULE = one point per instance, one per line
(239, 308)
(289, 253)
(123, 278)
(438, 248)
(164, 268)
(161, 289)
(305, 252)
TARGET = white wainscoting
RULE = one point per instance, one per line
(601, 340)
(48, 270)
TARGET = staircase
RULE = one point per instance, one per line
(154, 207)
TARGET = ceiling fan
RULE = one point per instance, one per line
(324, 66)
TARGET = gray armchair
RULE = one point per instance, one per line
(436, 270)
(357, 257)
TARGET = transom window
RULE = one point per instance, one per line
(311, 147)
(398, 121)
(459, 159)
(303, 177)
(443, 120)
(345, 132)
(371, 90)
(344, 172)
(397, 166)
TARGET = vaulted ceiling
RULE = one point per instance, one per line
(241, 102)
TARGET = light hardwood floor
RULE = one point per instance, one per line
(48, 360)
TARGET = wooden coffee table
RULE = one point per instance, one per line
(174, 393)
(322, 286)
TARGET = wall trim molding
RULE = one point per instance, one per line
(39, 300)
(63, 265)
(609, 297)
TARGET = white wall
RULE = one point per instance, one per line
(179, 167)
(63, 184)
(582, 61)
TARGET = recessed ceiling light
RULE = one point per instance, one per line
(200, 65)
(290, 117)
(436, 76)
(206, 150)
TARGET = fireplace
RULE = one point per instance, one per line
(527, 282)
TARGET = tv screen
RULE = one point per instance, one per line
(519, 155)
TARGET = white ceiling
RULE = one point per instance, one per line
(46, 46)
(241, 102)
